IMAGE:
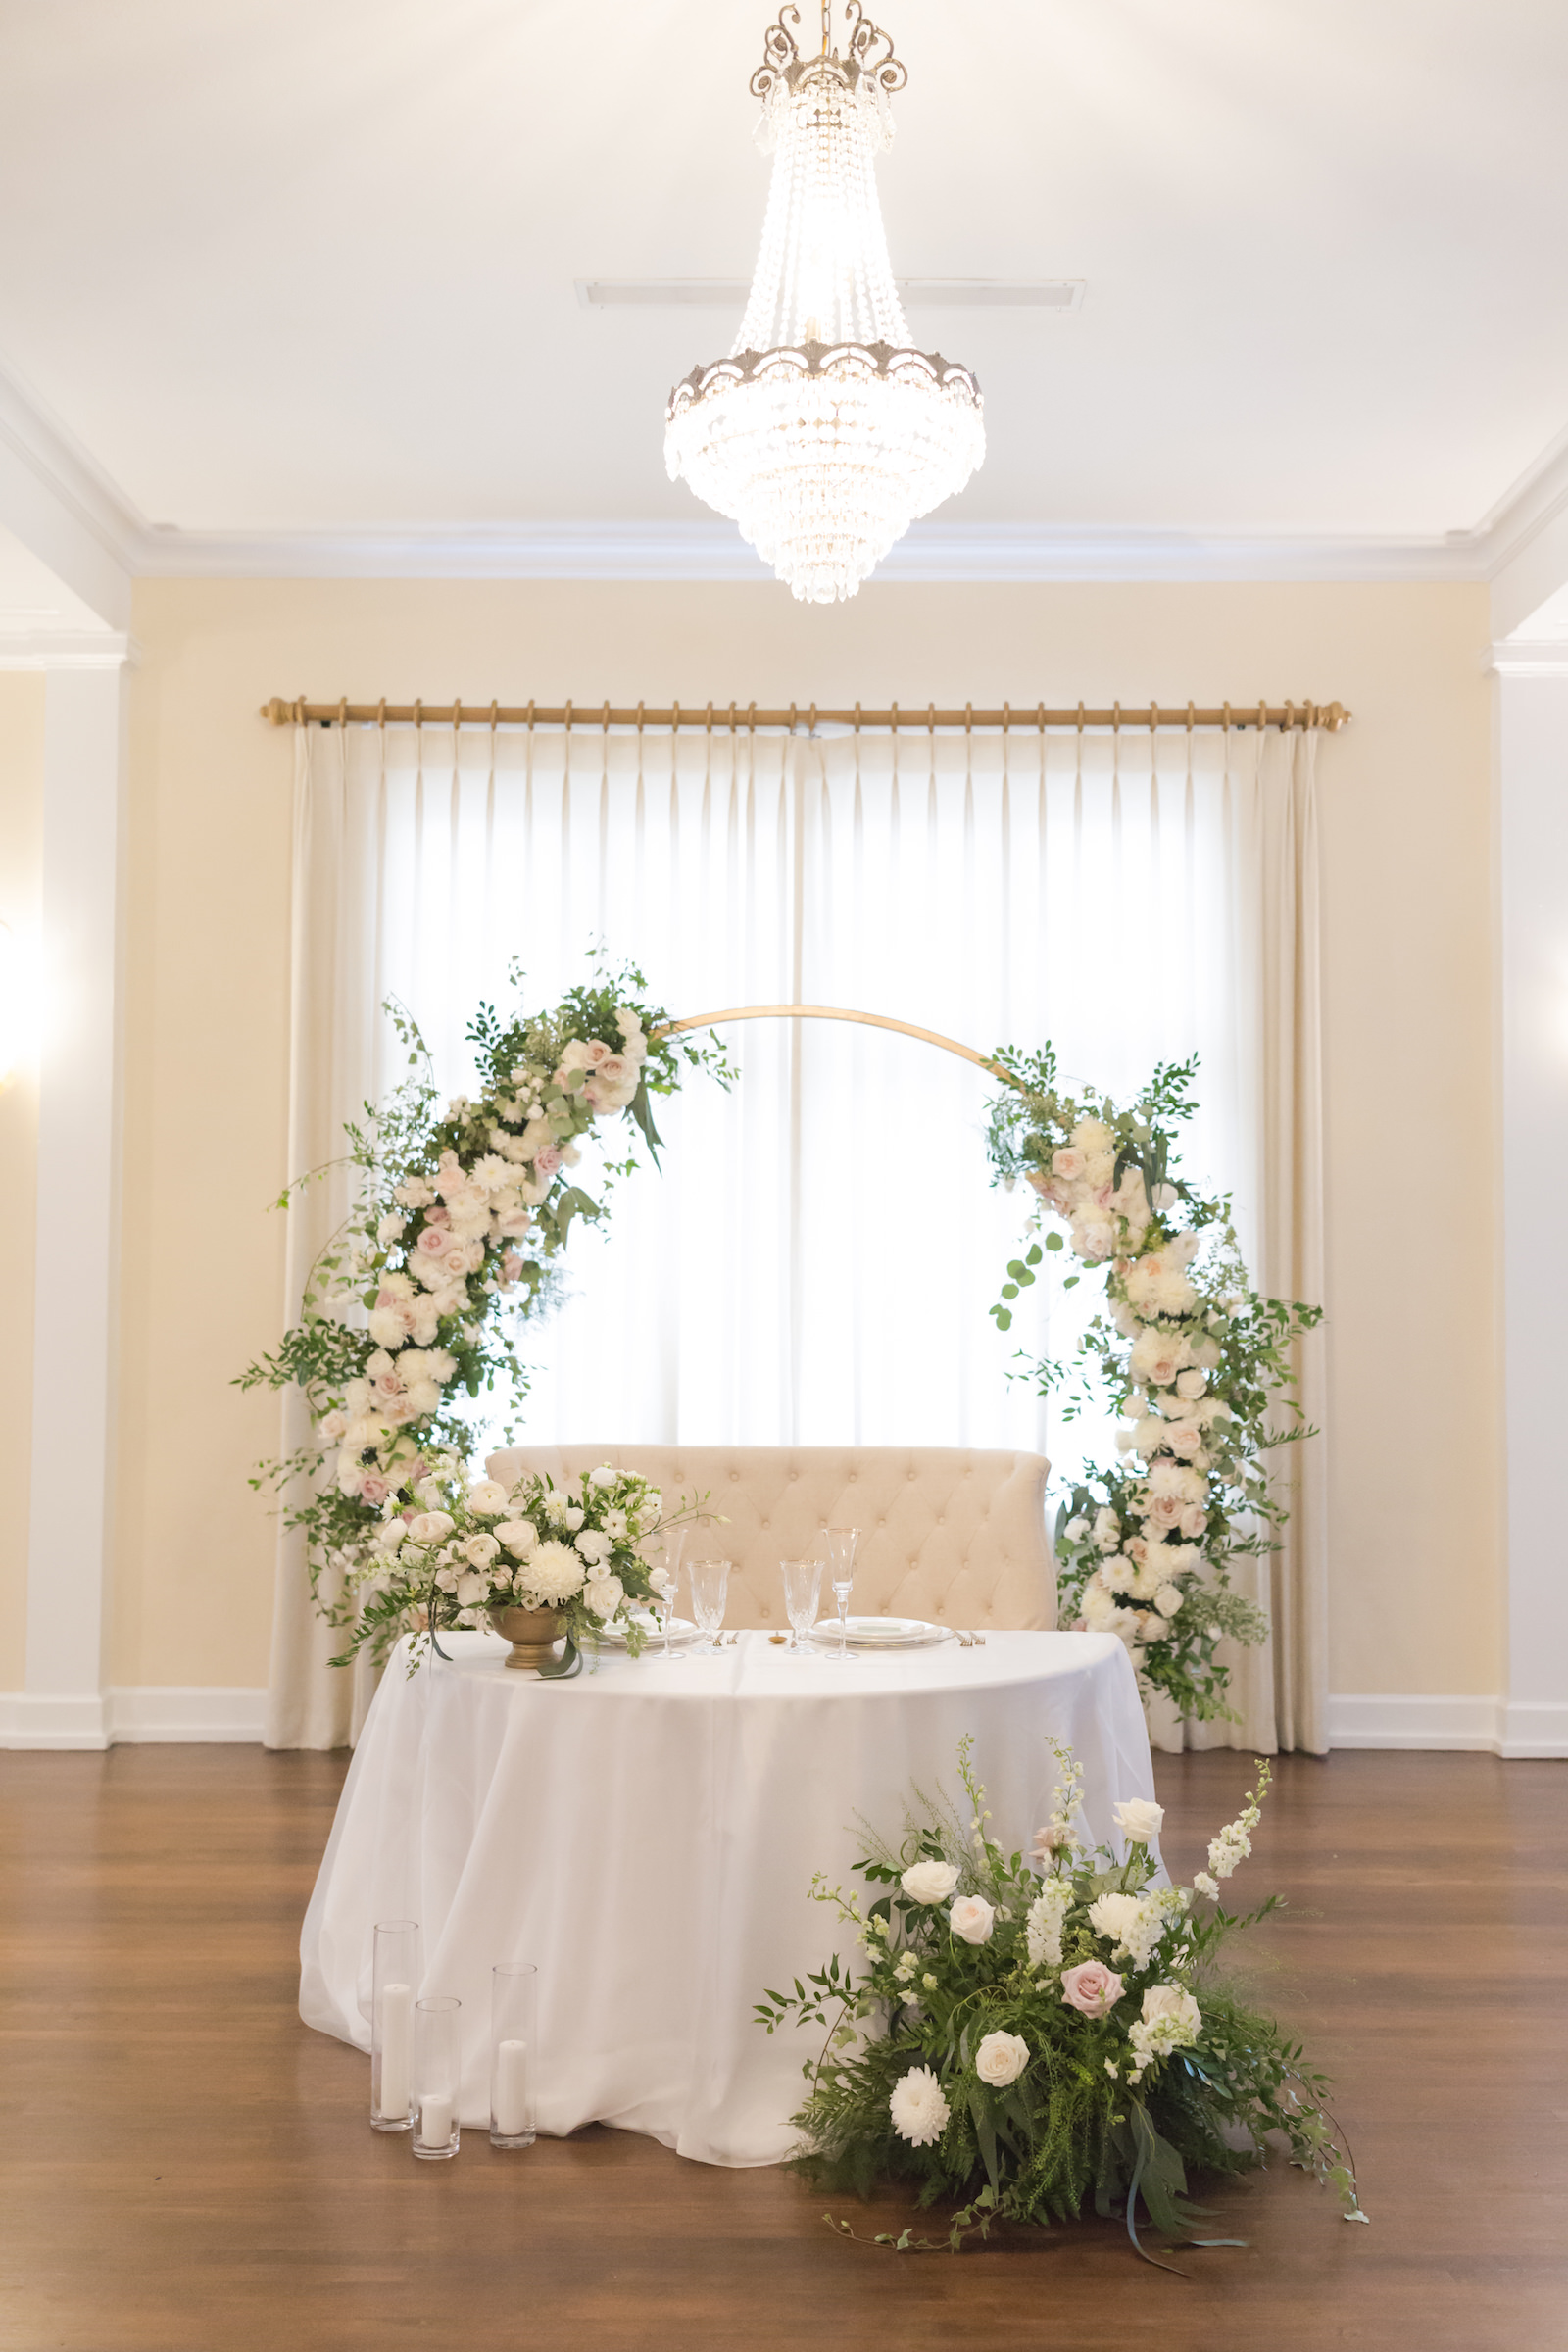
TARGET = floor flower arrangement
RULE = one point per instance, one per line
(1027, 2036)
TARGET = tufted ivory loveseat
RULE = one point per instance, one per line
(946, 1534)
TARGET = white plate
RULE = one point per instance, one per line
(683, 1635)
(881, 1633)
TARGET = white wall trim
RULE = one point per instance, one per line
(139, 1714)
(1448, 1720)
(53, 1719)
(1529, 657)
(128, 1716)
(67, 649)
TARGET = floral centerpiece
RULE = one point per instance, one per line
(1193, 1357)
(582, 1558)
(1031, 2034)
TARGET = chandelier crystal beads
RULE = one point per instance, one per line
(824, 434)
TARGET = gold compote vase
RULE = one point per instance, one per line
(532, 1632)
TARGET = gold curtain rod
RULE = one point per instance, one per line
(731, 719)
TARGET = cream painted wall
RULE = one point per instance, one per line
(20, 879)
(1412, 1254)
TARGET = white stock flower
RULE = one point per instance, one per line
(555, 1572)
(594, 1544)
(1139, 1820)
(973, 1918)
(929, 1882)
(1202, 1884)
(489, 1499)
(1000, 2059)
(1044, 1923)
(919, 2110)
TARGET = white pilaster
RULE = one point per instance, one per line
(1532, 851)
(77, 1275)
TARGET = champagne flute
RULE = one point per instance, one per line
(838, 1543)
(673, 1543)
(710, 1587)
(803, 1589)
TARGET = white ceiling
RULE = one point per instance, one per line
(283, 263)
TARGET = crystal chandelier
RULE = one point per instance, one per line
(825, 434)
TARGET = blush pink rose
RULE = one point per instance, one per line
(511, 1266)
(1091, 1988)
(546, 1160)
(1068, 1164)
(1164, 1512)
(433, 1240)
(387, 1384)
(1193, 1520)
(374, 1489)
(596, 1053)
(1184, 1439)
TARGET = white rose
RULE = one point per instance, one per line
(1139, 1820)
(603, 1476)
(1000, 2059)
(471, 1589)
(1168, 1599)
(1158, 1355)
(489, 1499)
(481, 1550)
(929, 1882)
(519, 1535)
(604, 1596)
(919, 2111)
(1190, 1385)
(1076, 1530)
(573, 1517)
(431, 1527)
(594, 1544)
(973, 1918)
(1174, 2002)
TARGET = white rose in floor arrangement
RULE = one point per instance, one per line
(1191, 1355)
(1086, 2050)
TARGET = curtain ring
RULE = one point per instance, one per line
(1115, 722)
(418, 711)
(856, 719)
(709, 718)
(810, 724)
(1262, 718)
(380, 714)
(566, 722)
(931, 718)
(895, 718)
(1040, 716)
(495, 714)
(750, 718)
(1153, 716)
(531, 713)
(1006, 716)
(674, 719)
(968, 718)
(1225, 707)
(732, 718)
(1080, 718)
(639, 719)
(1191, 718)
(792, 719)
(1290, 717)
(457, 716)
(343, 710)
(603, 719)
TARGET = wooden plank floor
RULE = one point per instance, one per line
(185, 2168)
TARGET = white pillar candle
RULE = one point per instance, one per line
(435, 2120)
(397, 2041)
(512, 2089)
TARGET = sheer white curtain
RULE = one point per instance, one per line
(815, 1261)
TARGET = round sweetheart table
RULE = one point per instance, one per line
(647, 1835)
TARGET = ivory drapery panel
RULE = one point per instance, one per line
(815, 1264)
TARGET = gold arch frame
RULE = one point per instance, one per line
(834, 1013)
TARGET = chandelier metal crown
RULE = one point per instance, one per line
(825, 432)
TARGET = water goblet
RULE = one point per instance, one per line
(839, 1544)
(674, 1542)
(709, 1581)
(803, 1589)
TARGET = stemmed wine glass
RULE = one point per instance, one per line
(710, 1589)
(803, 1589)
(838, 1543)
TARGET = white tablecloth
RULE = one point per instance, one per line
(647, 1835)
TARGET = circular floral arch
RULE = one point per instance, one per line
(464, 1207)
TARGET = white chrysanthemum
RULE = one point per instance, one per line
(555, 1572)
(1113, 1916)
(919, 2110)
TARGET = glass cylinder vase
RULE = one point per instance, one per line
(394, 1972)
(436, 2075)
(513, 2053)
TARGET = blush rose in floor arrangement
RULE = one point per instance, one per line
(1028, 2036)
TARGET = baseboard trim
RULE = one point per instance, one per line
(1448, 1720)
(130, 1715)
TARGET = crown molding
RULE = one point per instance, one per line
(67, 648)
(1526, 657)
(1517, 538)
